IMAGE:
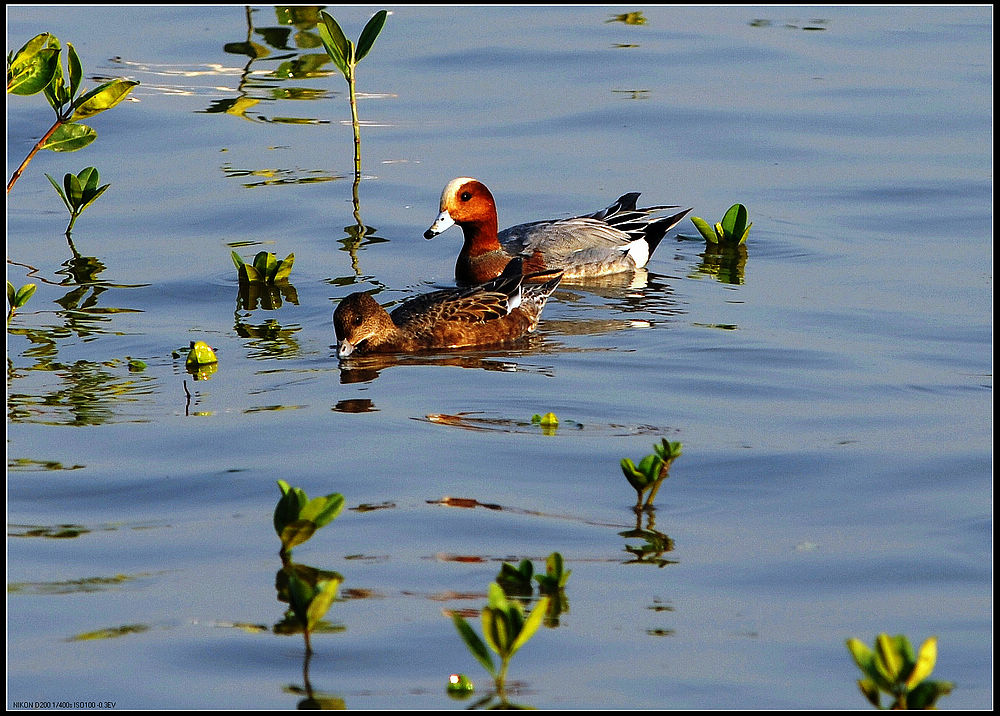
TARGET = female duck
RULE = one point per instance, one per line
(500, 311)
(618, 238)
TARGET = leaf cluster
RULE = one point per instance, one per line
(652, 469)
(36, 67)
(266, 268)
(78, 191)
(893, 668)
(344, 53)
(296, 517)
(733, 229)
(505, 630)
(16, 298)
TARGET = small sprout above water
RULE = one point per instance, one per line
(266, 268)
(505, 630)
(893, 668)
(16, 298)
(81, 191)
(733, 229)
(651, 471)
(296, 517)
(555, 576)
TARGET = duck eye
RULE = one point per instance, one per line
(466, 195)
(358, 320)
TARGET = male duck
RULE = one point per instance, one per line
(499, 311)
(618, 238)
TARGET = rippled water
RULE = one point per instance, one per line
(832, 387)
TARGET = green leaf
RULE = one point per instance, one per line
(101, 98)
(337, 45)
(59, 190)
(249, 274)
(75, 69)
(89, 178)
(11, 293)
(284, 269)
(734, 222)
(322, 510)
(288, 507)
(32, 73)
(720, 232)
(871, 692)
(74, 190)
(369, 34)
(23, 294)
(925, 694)
(91, 198)
(474, 643)
(70, 137)
(924, 663)
(238, 262)
(296, 532)
(704, 229)
(887, 659)
(530, 626)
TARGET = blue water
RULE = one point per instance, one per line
(832, 388)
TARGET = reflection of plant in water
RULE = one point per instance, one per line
(517, 582)
(726, 262)
(505, 630)
(893, 668)
(88, 393)
(271, 338)
(293, 64)
(654, 545)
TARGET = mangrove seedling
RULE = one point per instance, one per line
(505, 630)
(266, 268)
(16, 298)
(459, 686)
(733, 228)
(892, 667)
(35, 68)
(296, 517)
(651, 471)
(555, 576)
(81, 191)
(346, 56)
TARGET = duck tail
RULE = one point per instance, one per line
(654, 231)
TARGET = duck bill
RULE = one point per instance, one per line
(344, 349)
(444, 221)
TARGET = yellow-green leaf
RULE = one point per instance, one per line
(926, 659)
(70, 137)
(101, 98)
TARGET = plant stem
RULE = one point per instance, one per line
(32, 153)
(356, 125)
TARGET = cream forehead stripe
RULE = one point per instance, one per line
(452, 188)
